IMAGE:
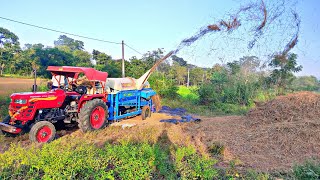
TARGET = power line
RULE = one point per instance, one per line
(132, 48)
(49, 29)
(72, 34)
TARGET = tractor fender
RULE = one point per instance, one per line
(86, 98)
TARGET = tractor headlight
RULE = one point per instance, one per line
(20, 101)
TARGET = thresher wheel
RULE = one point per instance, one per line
(93, 115)
(42, 132)
(146, 112)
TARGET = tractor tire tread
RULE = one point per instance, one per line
(144, 115)
(85, 113)
(35, 128)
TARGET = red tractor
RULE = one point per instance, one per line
(78, 95)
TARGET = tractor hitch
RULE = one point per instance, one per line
(9, 128)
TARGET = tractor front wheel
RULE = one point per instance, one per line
(146, 112)
(42, 132)
(93, 115)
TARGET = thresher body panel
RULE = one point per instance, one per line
(128, 103)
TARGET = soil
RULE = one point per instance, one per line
(274, 136)
(11, 85)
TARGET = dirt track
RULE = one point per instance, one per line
(11, 85)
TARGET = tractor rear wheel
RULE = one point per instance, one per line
(93, 115)
(146, 112)
(42, 132)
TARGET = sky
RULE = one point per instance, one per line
(148, 25)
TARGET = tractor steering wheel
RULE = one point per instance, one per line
(81, 90)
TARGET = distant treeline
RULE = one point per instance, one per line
(241, 78)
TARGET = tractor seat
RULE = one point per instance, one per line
(81, 90)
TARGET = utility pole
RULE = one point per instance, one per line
(188, 81)
(123, 70)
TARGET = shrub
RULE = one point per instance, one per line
(163, 86)
(208, 95)
(80, 160)
(216, 149)
(191, 166)
(309, 170)
(4, 104)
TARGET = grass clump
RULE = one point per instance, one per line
(216, 149)
(4, 104)
(190, 165)
(125, 160)
(309, 170)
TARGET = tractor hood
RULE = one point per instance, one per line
(32, 95)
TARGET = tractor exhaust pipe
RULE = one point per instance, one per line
(34, 86)
(140, 82)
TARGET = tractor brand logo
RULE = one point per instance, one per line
(43, 99)
(128, 95)
(126, 84)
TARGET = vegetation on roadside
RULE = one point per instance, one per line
(237, 86)
(124, 160)
(4, 104)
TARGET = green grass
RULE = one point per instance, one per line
(189, 99)
(16, 76)
(78, 160)
(188, 93)
(309, 170)
(191, 107)
(4, 104)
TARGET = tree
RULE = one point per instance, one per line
(136, 67)
(306, 83)
(282, 75)
(64, 40)
(152, 57)
(197, 76)
(82, 58)
(180, 73)
(95, 54)
(179, 60)
(113, 69)
(249, 64)
(53, 57)
(9, 45)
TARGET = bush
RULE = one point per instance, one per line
(309, 170)
(216, 149)
(164, 87)
(191, 166)
(4, 104)
(207, 94)
(78, 160)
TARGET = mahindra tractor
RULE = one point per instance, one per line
(77, 95)
(82, 96)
